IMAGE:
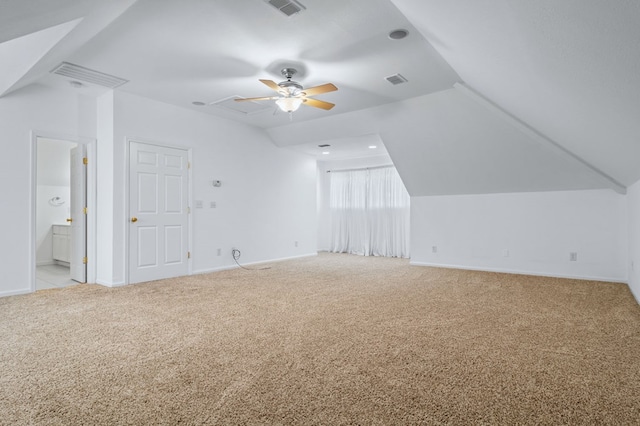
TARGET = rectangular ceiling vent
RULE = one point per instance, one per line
(87, 75)
(396, 79)
(248, 107)
(288, 7)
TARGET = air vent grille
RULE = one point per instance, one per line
(396, 79)
(288, 7)
(248, 107)
(87, 75)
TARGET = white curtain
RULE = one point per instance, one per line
(369, 213)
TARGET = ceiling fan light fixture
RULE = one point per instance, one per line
(291, 94)
(289, 104)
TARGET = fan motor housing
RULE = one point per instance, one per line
(291, 87)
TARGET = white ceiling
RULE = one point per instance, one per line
(502, 96)
(185, 51)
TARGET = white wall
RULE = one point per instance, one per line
(633, 196)
(266, 204)
(32, 108)
(538, 229)
(267, 201)
(105, 190)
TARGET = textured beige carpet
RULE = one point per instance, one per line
(333, 339)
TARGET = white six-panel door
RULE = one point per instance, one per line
(159, 217)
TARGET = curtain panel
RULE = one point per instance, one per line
(370, 213)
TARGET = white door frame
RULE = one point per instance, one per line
(91, 145)
(77, 213)
(127, 184)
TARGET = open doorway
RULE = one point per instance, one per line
(61, 241)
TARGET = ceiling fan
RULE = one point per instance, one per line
(291, 94)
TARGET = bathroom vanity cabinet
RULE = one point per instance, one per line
(62, 243)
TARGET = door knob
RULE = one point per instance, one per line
(69, 220)
(134, 219)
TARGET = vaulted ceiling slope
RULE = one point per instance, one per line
(452, 143)
(570, 69)
(36, 35)
(502, 96)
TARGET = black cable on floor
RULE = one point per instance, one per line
(236, 255)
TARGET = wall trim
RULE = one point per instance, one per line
(520, 272)
(15, 292)
(110, 284)
(635, 296)
(217, 269)
(261, 262)
(210, 270)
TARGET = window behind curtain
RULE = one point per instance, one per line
(369, 213)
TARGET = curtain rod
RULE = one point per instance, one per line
(362, 168)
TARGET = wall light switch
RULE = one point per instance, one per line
(213, 205)
(198, 204)
(434, 249)
(573, 256)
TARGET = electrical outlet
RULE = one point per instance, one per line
(295, 243)
(573, 256)
(198, 204)
(505, 253)
(213, 205)
(219, 252)
(434, 249)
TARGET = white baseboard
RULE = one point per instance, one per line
(520, 272)
(261, 262)
(15, 292)
(217, 269)
(53, 262)
(110, 283)
(635, 296)
(282, 259)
